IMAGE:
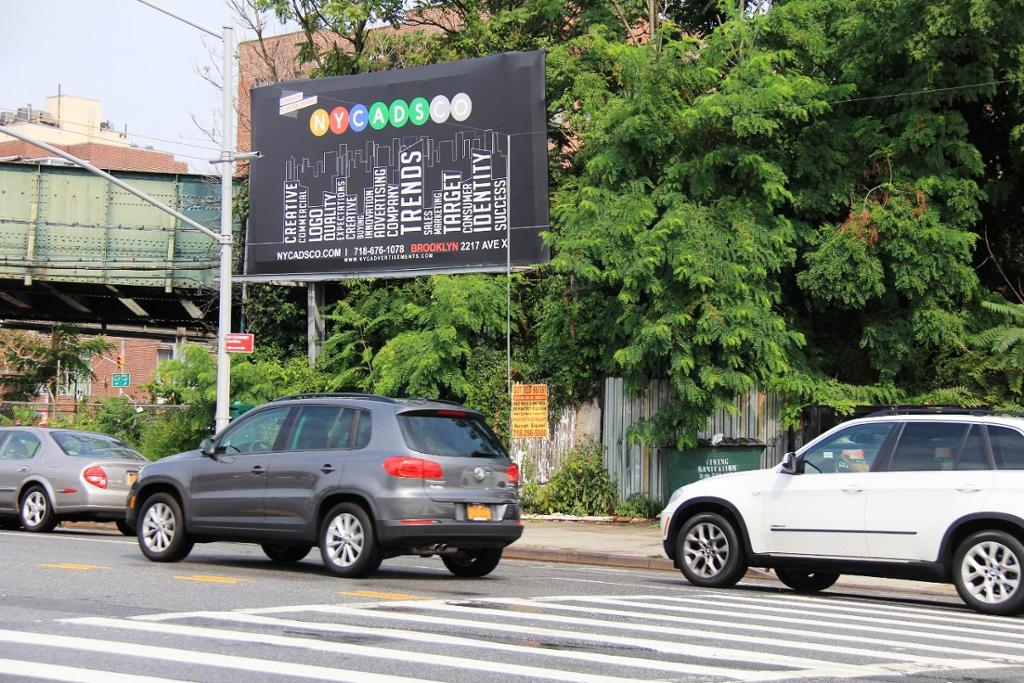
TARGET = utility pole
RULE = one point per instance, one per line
(224, 237)
(227, 158)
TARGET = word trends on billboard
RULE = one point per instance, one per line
(436, 169)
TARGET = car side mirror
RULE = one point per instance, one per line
(207, 448)
(790, 463)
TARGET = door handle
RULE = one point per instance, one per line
(327, 469)
(258, 469)
(968, 488)
(851, 488)
(23, 469)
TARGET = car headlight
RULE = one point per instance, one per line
(676, 495)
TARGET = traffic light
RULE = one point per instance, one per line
(120, 361)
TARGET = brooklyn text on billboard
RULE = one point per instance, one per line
(431, 169)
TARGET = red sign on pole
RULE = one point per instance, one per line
(237, 342)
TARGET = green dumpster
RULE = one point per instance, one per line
(237, 409)
(679, 468)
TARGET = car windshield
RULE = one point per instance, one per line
(437, 434)
(95, 446)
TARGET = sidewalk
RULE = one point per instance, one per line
(638, 546)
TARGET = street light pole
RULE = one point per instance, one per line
(227, 159)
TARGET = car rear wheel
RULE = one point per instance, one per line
(283, 553)
(472, 564)
(161, 532)
(709, 553)
(347, 542)
(803, 581)
(37, 513)
(987, 572)
(123, 527)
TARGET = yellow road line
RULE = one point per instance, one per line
(385, 596)
(210, 579)
(73, 566)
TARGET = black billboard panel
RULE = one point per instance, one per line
(405, 172)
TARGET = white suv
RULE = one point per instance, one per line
(932, 496)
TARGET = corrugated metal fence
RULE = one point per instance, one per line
(637, 469)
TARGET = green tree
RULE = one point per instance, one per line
(41, 365)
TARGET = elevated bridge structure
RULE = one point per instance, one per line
(76, 248)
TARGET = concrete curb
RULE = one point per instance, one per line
(583, 557)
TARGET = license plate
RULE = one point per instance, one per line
(478, 513)
(132, 476)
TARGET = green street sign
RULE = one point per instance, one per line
(121, 380)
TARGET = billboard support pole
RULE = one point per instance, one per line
(508, 280)
(508, 267)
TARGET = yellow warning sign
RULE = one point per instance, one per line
(529, 411)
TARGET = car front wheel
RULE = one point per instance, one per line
(987, 572)
(803, 581)
(161, 530)
(37, 511)
(347, 542)
(472, 564)
(709, 553)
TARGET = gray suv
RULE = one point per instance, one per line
(364, 477)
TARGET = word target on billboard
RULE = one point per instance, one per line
(397, 114)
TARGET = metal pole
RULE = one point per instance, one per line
(227, 170)
(186, 20)
(8, 130)
(508, 267)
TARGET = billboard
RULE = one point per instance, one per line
(435, 169)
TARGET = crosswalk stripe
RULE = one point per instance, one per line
(691, 606)
(830, 633)
(874, 615)
(939, 662)
(684, 603)
(953, 613)
(503, 668)
(265, 666)
(434, 620)
(72, 674)
(906, 662)
(421, 636)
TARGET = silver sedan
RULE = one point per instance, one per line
(52, 475)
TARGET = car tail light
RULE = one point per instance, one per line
(412, 468)
(513, 473)
(96, 476)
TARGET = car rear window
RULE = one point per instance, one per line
(1007, 447)
(95, 446)
(439, 434)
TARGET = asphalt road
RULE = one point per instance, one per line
(86, 606)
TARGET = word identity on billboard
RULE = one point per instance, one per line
(434, 169)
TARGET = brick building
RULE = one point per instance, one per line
(75, 125)
(276, 58)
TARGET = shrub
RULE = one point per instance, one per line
(639, 506)
(582, 486)
(534, 499)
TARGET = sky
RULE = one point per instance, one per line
(139, 62)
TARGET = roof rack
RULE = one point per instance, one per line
(439, 400)
(339, 394)
(930, 410)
